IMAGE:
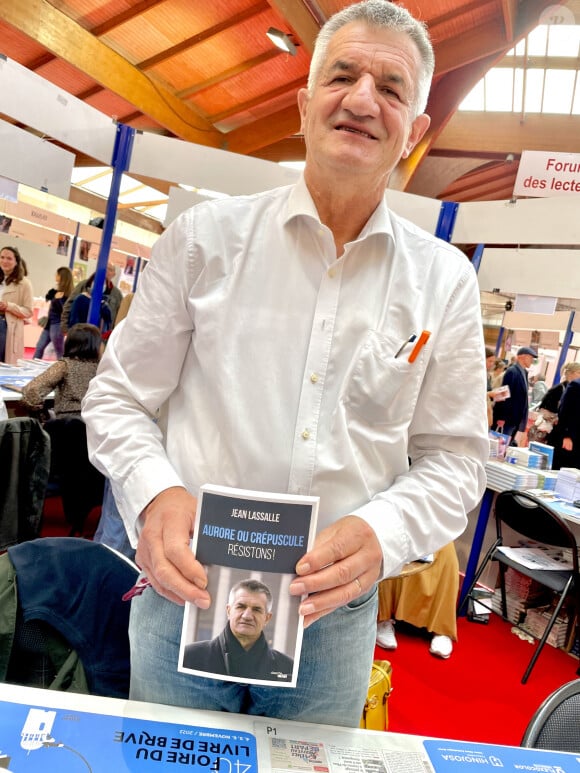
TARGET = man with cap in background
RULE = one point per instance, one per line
(512, 413)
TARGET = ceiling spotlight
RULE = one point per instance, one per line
(282, 40)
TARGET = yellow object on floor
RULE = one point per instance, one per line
(375, 713)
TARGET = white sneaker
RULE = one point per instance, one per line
(386, 635)
(441, 646)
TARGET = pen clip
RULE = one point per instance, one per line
(423, 338)
(409, 340)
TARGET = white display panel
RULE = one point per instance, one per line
(420, 210)
(35, 162)
(527, 221)
(514, 320)
(180, 200)
(534, 272)
(201, 167)
(35, 102)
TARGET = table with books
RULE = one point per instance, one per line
(46, 730)
(523, 469)
(14, 377)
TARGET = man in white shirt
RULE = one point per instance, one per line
(302, 340)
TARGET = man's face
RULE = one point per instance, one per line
(248, 616)
(526, 360)
(111, 273)
(359, 117)
(490, 361)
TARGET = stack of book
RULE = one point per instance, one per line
(546, 451)
(502, 476)
(521, 593)
(537, 620)
(568, 484)
(547, 480)
(525, 458)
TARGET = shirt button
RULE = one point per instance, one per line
(305, 434)
(314, 377)
(331, 273)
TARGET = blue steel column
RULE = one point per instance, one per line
(446, 222)
(137, 272)
(568, 335)
(73, 249)
(120, 163)
(477, 256)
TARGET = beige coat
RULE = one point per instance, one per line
(18, 296)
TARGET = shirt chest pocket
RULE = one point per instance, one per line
(382, 388)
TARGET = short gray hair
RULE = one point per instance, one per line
(252, 586)
(379, 13)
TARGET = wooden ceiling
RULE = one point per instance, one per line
(206, 72)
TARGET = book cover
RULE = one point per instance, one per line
(64, 741)
(249, 543)
(544, 449)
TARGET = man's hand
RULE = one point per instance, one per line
(344, 563)
(164, 552)
(567, 444)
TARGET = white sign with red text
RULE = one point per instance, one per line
(542, 173)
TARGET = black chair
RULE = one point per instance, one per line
(555, 724)
(24, 470)
(72, 475)
(531, 518)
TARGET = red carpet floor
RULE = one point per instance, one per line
(476, 694)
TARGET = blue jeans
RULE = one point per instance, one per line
(335, 666)
(111, 529)
(51, 334)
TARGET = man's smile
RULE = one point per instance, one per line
(344, 127)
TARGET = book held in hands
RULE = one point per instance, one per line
(249, 543)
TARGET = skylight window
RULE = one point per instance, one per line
(539, 75)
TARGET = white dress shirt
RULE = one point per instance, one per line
(268, 364)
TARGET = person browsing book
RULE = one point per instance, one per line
(512, 414)
(305, 340)
(241, 648)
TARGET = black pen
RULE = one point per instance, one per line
(409, 340)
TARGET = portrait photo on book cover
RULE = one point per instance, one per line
(251, 633)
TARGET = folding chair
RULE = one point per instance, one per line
(531, 518)
(555, 724)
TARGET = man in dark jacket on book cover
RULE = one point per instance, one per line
(241, 648)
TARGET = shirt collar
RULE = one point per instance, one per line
(301, 204)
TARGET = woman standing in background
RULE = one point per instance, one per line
(15, 304)
(57, 296)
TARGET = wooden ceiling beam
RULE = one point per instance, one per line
(63, 37)
(259, 134)
(99, 204)
(225, 75)
(287, 149)
(121, 18)
(195, 40)
(509, 10)
(488, 39)
(241, 107)
(507, 133)
(298, 15)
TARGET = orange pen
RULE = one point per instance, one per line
(423, 338)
